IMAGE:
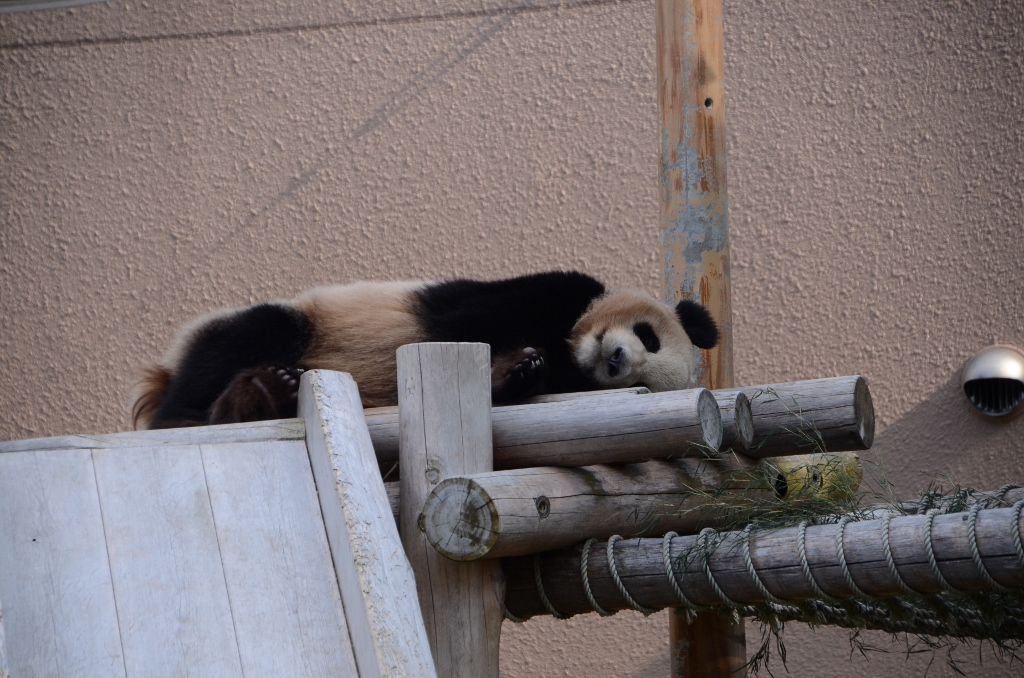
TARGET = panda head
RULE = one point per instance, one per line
(627, 338)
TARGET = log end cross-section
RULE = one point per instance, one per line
(460, 520)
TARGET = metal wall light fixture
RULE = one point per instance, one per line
(993, 380)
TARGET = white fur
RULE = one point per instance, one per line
(608, 326)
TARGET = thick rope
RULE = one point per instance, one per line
(618, 582)
(806, 567)
(890, 561)
(1000, 496)
(1016, 531)
(946, 586)
(666, 551)
(540, 590)
(704, 537)
(841, 553)
(972, 539)
(584, 559)
(511, 617)
(753, 571)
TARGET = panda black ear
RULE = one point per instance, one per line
(697, 322)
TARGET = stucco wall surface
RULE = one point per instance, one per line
(158, 160)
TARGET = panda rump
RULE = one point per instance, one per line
(554, 332)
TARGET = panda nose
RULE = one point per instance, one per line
(615, 362)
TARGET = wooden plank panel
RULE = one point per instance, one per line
(169, 586)
(54, 576)
(284, 596)
(256, 431)
(376, 580)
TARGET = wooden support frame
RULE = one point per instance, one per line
(444, 408)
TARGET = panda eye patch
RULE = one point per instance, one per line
(645, 333)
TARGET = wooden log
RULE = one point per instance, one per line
(383, 421)
(579, 431)
(604, 430)
(817, 415)
(563, 397)
(377, 584)
(737, 420)
(792, 418)
(641, 565)
(835, 476)
(508, 513)
(695, 240)
(444, 404)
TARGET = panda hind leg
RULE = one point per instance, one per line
(266, 392)
(516, 375)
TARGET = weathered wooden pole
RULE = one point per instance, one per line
(760, 421)
(775, 557)
(797, 417)
(444, 408)
(525, 511)
(695, 241)
(578, 432)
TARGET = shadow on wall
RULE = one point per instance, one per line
(944, 434)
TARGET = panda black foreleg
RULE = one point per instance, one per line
(518, 374)
(269, 392)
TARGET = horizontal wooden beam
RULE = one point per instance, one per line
(817, 415)
(774, 554)
(523, 511)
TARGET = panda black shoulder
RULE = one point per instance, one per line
(506, 312)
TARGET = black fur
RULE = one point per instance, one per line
(265, 334)
(536, 311)
(697, 322)
(648, 337)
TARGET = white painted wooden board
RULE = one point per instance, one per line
(257, 431)
(168, 561)
(59, 615)
(4, 673)
(376, 580)
(285, 603)
(165, 563)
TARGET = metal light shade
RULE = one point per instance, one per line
(993, 380)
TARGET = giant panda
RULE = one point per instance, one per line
(553, 332)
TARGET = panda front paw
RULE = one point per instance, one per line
(257, 394)
(517, 375)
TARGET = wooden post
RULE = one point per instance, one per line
(695, 241)
(444, 408)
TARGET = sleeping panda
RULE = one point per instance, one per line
(554, 332)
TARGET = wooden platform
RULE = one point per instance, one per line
(244, 550)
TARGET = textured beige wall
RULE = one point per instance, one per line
(158, 159)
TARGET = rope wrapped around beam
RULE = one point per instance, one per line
(853, 574)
